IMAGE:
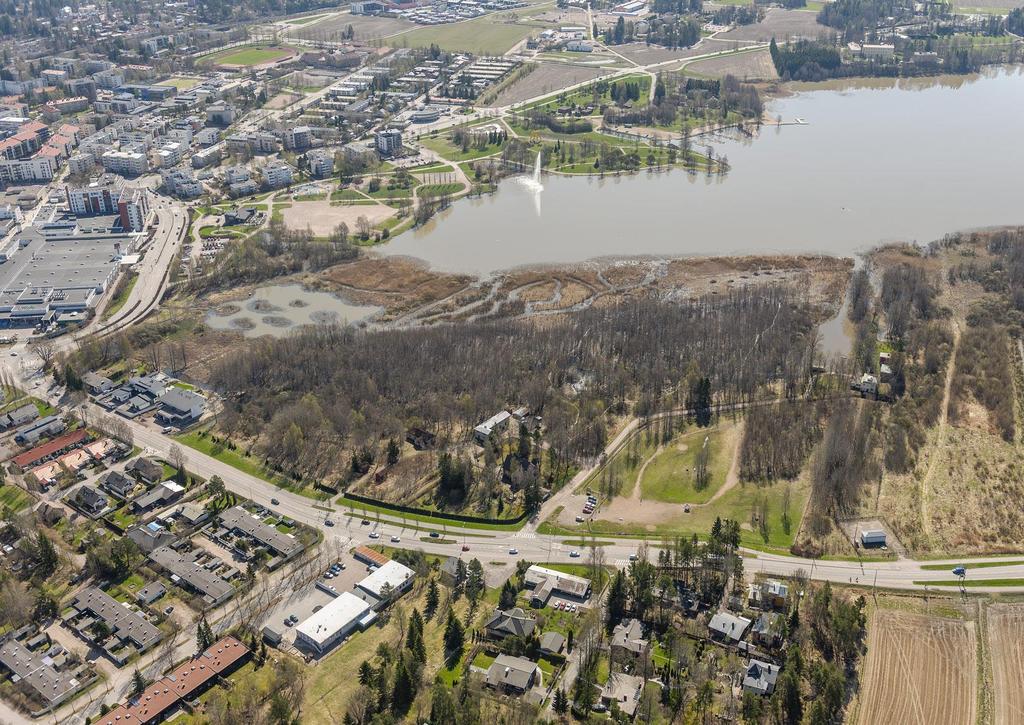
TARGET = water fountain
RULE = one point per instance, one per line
(532, 183)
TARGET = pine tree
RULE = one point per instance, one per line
(442, 706)
(404, 691)
(414, 639)
(507, 598)
(204, 635)
(474, 580)
(365, 673)
(138, 683)
(433, 598)
(561, 703)
(454, 637)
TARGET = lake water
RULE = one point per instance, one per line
(278, 309)
(876, 162)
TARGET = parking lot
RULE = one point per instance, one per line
(301, 604)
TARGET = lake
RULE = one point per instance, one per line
(278, 309)
(877, 161)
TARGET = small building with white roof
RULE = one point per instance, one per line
(336, 620)
(385, 584)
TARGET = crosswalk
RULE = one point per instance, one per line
(524, 535)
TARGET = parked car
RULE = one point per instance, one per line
(167, 430)
(579, 519)
(168, 610)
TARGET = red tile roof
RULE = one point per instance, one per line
(48, 449)
(118, 716)
(371, 556)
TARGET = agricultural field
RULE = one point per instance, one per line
(492, 34)
(919, 669)
(248, 57)
(755, 65)
(546, 78)
(643, 54)
(779, 24)
(1006, 648)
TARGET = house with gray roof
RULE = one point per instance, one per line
(144, 469)
(760, 677)
(236, 521)
(19, 416)
(624, 691)
(513, 675)
(118, 484)
(38, 675)
(194, 571)
(552, 643)
(509, 623)
(126, 627)
(179, 407)
(729, 628)
(628, 638)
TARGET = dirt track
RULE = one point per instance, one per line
(920, 670)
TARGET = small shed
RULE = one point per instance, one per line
(873, 537)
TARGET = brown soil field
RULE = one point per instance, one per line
(282, 100)
(780, 24)
(366, 27)
(754, 66)
(547, 78)
(1006, 648)
(322, 216)
(919, 670)
(398, 284)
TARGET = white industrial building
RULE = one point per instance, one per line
(336, 620)
(385, 583)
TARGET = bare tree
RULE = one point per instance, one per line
(177, 457)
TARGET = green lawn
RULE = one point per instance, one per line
(14, 498)
(973, 583)
(978, 565)
(117, 302)
(248, 56)
(443, 146)
(244, 463)
(441, 189)
(347, 195)
(669, 476)
(303, 21)
(424, 516)
(182, 84)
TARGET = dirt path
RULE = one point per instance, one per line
(733, 476)
(637, 491)
(940, 436)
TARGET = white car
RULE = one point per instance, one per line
(374, 535)
(396, 540)
(513, 552)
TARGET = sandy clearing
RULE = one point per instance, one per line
(547, 78)
(781, 25)
(321, 217)
(754, 65)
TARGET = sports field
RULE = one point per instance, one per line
(249, 56)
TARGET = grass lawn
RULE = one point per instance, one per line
(347, 195)
(117, 302)
(246, 464)
(669, 476)
(441, 189)
(14, 498)
(483, 660)
(979, 565)
(303, 21)
(359, 508)
(182, 84)
(485, 35)
(447, 150)
(973, 583)
(248, 56)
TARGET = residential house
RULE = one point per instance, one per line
(628, 640)
(513, 675)
(125, 626)
(552, 643)
(97, 384)
(545, 582)
(150, 593)
(767, 630)
(623, 691)
(509, 623)
(90, 501)
(775, 594)
(180, 407)
(729, 628)
(760, 677)
(159, 496)
(150, 536)
(145, 469)
(118, 484)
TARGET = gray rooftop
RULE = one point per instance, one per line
(184, 565)
(123, 622)
(239, 518)
(36, 672)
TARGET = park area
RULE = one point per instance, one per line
(919, 670)
(249, 56)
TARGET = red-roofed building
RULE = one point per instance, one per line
(183, 683)
(370, 556)
(53, 448)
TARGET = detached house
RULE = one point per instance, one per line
(510, 623)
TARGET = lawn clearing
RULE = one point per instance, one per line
(669, 475)
(303, 21)
(182, 84)
(486, 35)
(250, 56)
(14, 499)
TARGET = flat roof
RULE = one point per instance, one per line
(335, 616)
(238, 518)
(392, 573)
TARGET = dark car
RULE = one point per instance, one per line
(275, 502)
